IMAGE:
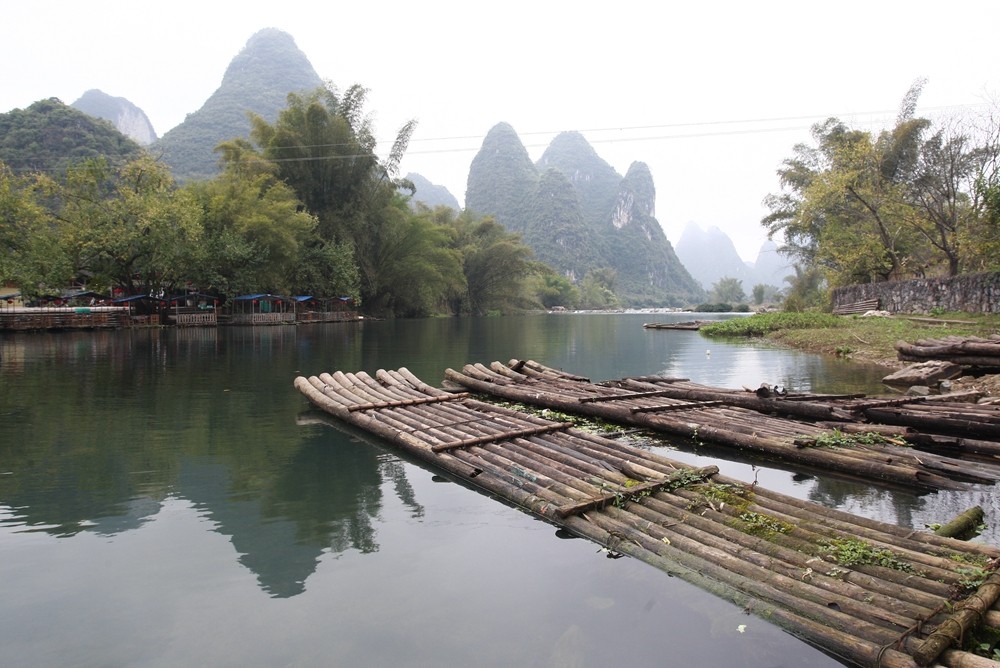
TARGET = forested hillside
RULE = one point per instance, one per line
(49, 136)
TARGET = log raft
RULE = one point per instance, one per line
(779, 557)
(743, 420)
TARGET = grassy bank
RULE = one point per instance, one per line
(870, 339)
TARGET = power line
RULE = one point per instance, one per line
(666, 136)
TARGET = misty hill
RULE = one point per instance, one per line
(50, 135)
(127, 118)
(772, 267)
(430, 194)
(578, 214)
(710, 255)
(257, 80)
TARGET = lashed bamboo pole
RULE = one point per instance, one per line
(827, 458)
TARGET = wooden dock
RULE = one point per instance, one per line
(829, 433)
(868, 592)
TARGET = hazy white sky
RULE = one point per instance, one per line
(711, 95)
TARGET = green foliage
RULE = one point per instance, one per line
(408, 264)
(839, 439)
(324, 148)
(50, 136)
(854, 552)
(258, 239)
(126, 227)
(551, 289)
(597, 290)
(760, 324)
(860, 207)
(721, 307)
(806, 289)
(760, 524)
(29, 254)
(494, 262)
(728, 289)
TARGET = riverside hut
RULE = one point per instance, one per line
(324, 309)
(263, 309)
(140, 310)
(194, 309)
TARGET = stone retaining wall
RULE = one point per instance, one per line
(973, 293)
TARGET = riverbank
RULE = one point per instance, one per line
(868, 339)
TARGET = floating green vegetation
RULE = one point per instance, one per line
(763, 526)
(840, 439)
(763, 323)
(854, 552)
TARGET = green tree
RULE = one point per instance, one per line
(127, 227)
(259, 238)
(495, 264)
(728, 290)
(807, 289)
(551, 289)
(597, 290)
(900, 203)
(31, 256)
(408, 264)
(324, 147)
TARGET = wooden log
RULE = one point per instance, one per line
(927, 421)
(964, 526)
(960, 623)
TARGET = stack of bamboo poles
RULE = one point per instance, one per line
(721, 417)
(908, 603)
(968, 351)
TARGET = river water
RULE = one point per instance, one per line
(168, 499)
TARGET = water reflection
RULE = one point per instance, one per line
(178, 466)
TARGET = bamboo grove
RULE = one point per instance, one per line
(305, 206)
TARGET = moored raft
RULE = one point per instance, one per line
(735, 418)
(869, 592)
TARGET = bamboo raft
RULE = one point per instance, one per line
(759, 422)
(687, 325)
(779, 557)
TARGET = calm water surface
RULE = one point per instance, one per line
(168, 499)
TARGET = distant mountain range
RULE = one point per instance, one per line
(575, 211)
(710, 255)
(580, 215)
